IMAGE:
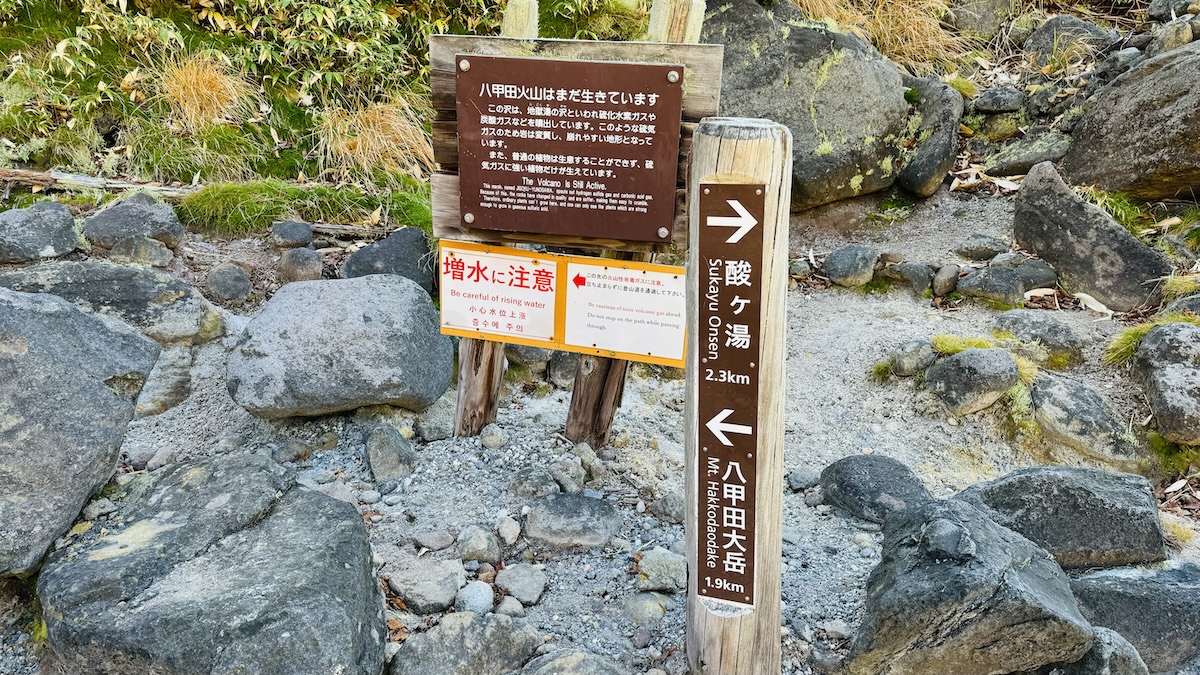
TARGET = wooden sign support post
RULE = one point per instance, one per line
(740, 191)
(600, 382)
(481, 363)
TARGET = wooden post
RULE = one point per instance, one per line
(600, 382)
(481, 363)
(738, 632)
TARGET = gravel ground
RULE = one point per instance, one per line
(833, 410)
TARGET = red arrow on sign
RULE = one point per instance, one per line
(579, 280)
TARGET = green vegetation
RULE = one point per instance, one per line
(1027, 370)
(1175, 460)
(962, 85)
(1131, 214)
(947, 345)
(592, 19)
(1018, 406)
(1124, 346)
(1180, 286)
(236, 209)
(881, 372)
(878, 284)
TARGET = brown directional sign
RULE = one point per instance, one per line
(551, 146)
(730, 307)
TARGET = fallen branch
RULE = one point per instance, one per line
(75, 181)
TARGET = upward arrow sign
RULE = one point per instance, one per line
(743, 221)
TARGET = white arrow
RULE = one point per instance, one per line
(719, 428)
(743, 221)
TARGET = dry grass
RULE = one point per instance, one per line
(909, 32)
(202, 90)
(1180, 286)
(379, 138)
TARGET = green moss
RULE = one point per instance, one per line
(962, 85)
(823, 149)
(856, 183)
(912, 96)
(1124, 346)
(1174, 459)
(1000, 305)
(877, 284)
(1058, 361)
(946, 344)
(517, 373)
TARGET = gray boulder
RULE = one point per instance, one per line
(851, 265)
(141, 250)
(999, 99)
(562, 368)
(912, 357)
(662, 570)
(1110, 654)
(291, 234)
(980, 19)
(1170, 36)
(1063, 346)
(1091, 252)
(404, 252)
(872, 487)
(229, 282)
(1138, 134)
(1077, 422)
(390, 456)
(68, 382)
(918, 276)
(44, 230)
(1153, 608)
(325, 346)
(956, 593)
(426, 585)
(219, 567)
(156, 303)
(998, 286)
(842, 99)
(139, 214)
(1167, 10)
(1082, 517)
(982, 247)
(1189, 304)
(1066, 32)
(572, 662)
(522, 581)
(169, 384)
(1167, 364)
(940, 110)
(465, 643)
(945, 281)
(972, 380)
(1035, 273)
(534, 359)
(1017, 157)
(561, 520)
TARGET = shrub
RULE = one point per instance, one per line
(387, 138)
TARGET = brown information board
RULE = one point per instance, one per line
(552, 146)
(730, 309)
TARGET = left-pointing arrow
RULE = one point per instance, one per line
(579, 280)
(743, 221)
(719, 427)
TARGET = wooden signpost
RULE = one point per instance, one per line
(737, 266)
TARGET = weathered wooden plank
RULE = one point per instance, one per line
(702, 63)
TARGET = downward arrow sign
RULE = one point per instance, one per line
(719, 428)
(743, 221)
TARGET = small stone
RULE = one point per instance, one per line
(640, 639)
(999, 100)
(493, 437)
(428, 586)
(299, 264)
(570, 475)
(863, 540)
(997, 285)
(567, 521)
(390, 455)
(837, 630)
(369, 497)
(814, 496)
(981, 247)
(476, 543)
(522, 581)
(669, 504)
(436, 423)
(912, 357)
(393, 500)
(799, 269)
(1036, 274)
(561, 369)
(141, 250)
(802, 479)
(824, 509)
(476, 597)
(486, 572)
(851, 266)
(434, 540)
(647, 608)
(291, 234)
(509, 530)
(99, 507)
(533, 483)
(1063, 347)
(972, 380)
(324, 476)
(945, 281)
(510, 606)
(229, 283)
(160, 459)
(662, 570)
(918, 276)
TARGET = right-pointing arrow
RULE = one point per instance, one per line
(719, 428)
(743, 221)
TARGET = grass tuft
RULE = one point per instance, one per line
(1179, 286)
(1175, 460)
(238, 209)
(202, 90)
(1124, 346)
(962, 85)
(374, 141)
(213, 153)
(1018, 403)
(1027, 370)
(1131, 214)
(881, 372)
(947, 345)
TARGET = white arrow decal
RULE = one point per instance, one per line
(719, 428)
(743, 221)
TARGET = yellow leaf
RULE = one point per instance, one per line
(36, 188)
(80, 528)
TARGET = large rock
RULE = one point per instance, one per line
(1138, 134)
(572, 662)
(1154, 608)
(319, 347)
(956, 593)
(972, 380)
(851, 265)
(44, 230)
(219, 567)
(404, 252)
(1063, 347)
(1066, 34)
(562, 520)
(156, 303)
(872, 486)
(1091, 252)
(842, 99)
(1083, 517)
(1110, 654)
(139, 214)
(995, 285)
(1167, 364)
(1019, 156)
(940, 109)
(980, 19)
(1073, 416)
(466, 643)
(68, 382)
(427, 586)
